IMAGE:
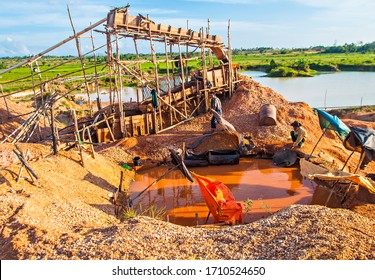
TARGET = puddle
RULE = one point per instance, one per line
(269, 187)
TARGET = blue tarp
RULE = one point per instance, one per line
(327, 121)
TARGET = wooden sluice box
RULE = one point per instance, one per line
(136, 125)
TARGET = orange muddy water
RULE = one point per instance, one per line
(269, 187)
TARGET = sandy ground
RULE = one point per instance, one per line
(69, 215)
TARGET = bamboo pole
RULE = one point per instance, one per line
(33, 84)
(54, 140)
(82, 62)
(182, 76)
(177, 124)
(78, 138)
(109, 127)
(168, 80)
(203, 54)
(21, 168)
(174, 109)
(40, 81)
(324, 131)
(91, 145)
(121, 108)
(156, 81)
(98, 101)
(5, 101)
(21, 156)
(209, 52)
(187, 55)
(34, 58)
(110, 64)
(42, 97)
(173, 65)
(139, 66)
(230, 70)
(363, 155)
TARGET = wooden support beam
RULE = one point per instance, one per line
(157, 84)
(95, 72)
(209, 53)
(87, 129)
(78, 138)
(120, 92)
(109, 127)
(82, 62)
(22, 157)
(22, 165)
(230, 70)
(168, 80)
(5, 101)
(110, 65)
(203, 53)
(36, 57)
(182, 76)
(54, 138)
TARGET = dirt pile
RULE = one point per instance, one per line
(69, 216)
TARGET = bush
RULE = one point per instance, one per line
(283, 72)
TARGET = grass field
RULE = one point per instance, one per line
(299, 63)
(308, 62)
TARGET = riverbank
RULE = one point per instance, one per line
(304, 63)
(330, 90)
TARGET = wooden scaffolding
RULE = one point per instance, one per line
(170, 92)
(176, 95)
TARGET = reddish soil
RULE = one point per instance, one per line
(71, 204)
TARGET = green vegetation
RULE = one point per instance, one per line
(151, 211)
(276, 63)
(307, 62)
(69, 70)
(248, 203)
(343, 111)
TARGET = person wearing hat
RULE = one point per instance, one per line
(216, 106)
(298, 135)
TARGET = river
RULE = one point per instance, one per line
(340, 89)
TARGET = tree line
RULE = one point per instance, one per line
(346, 48)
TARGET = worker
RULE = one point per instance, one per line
(216, 106)
(298, 135)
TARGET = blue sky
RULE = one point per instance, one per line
(30, 27)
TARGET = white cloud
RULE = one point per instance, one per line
(11, 47)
